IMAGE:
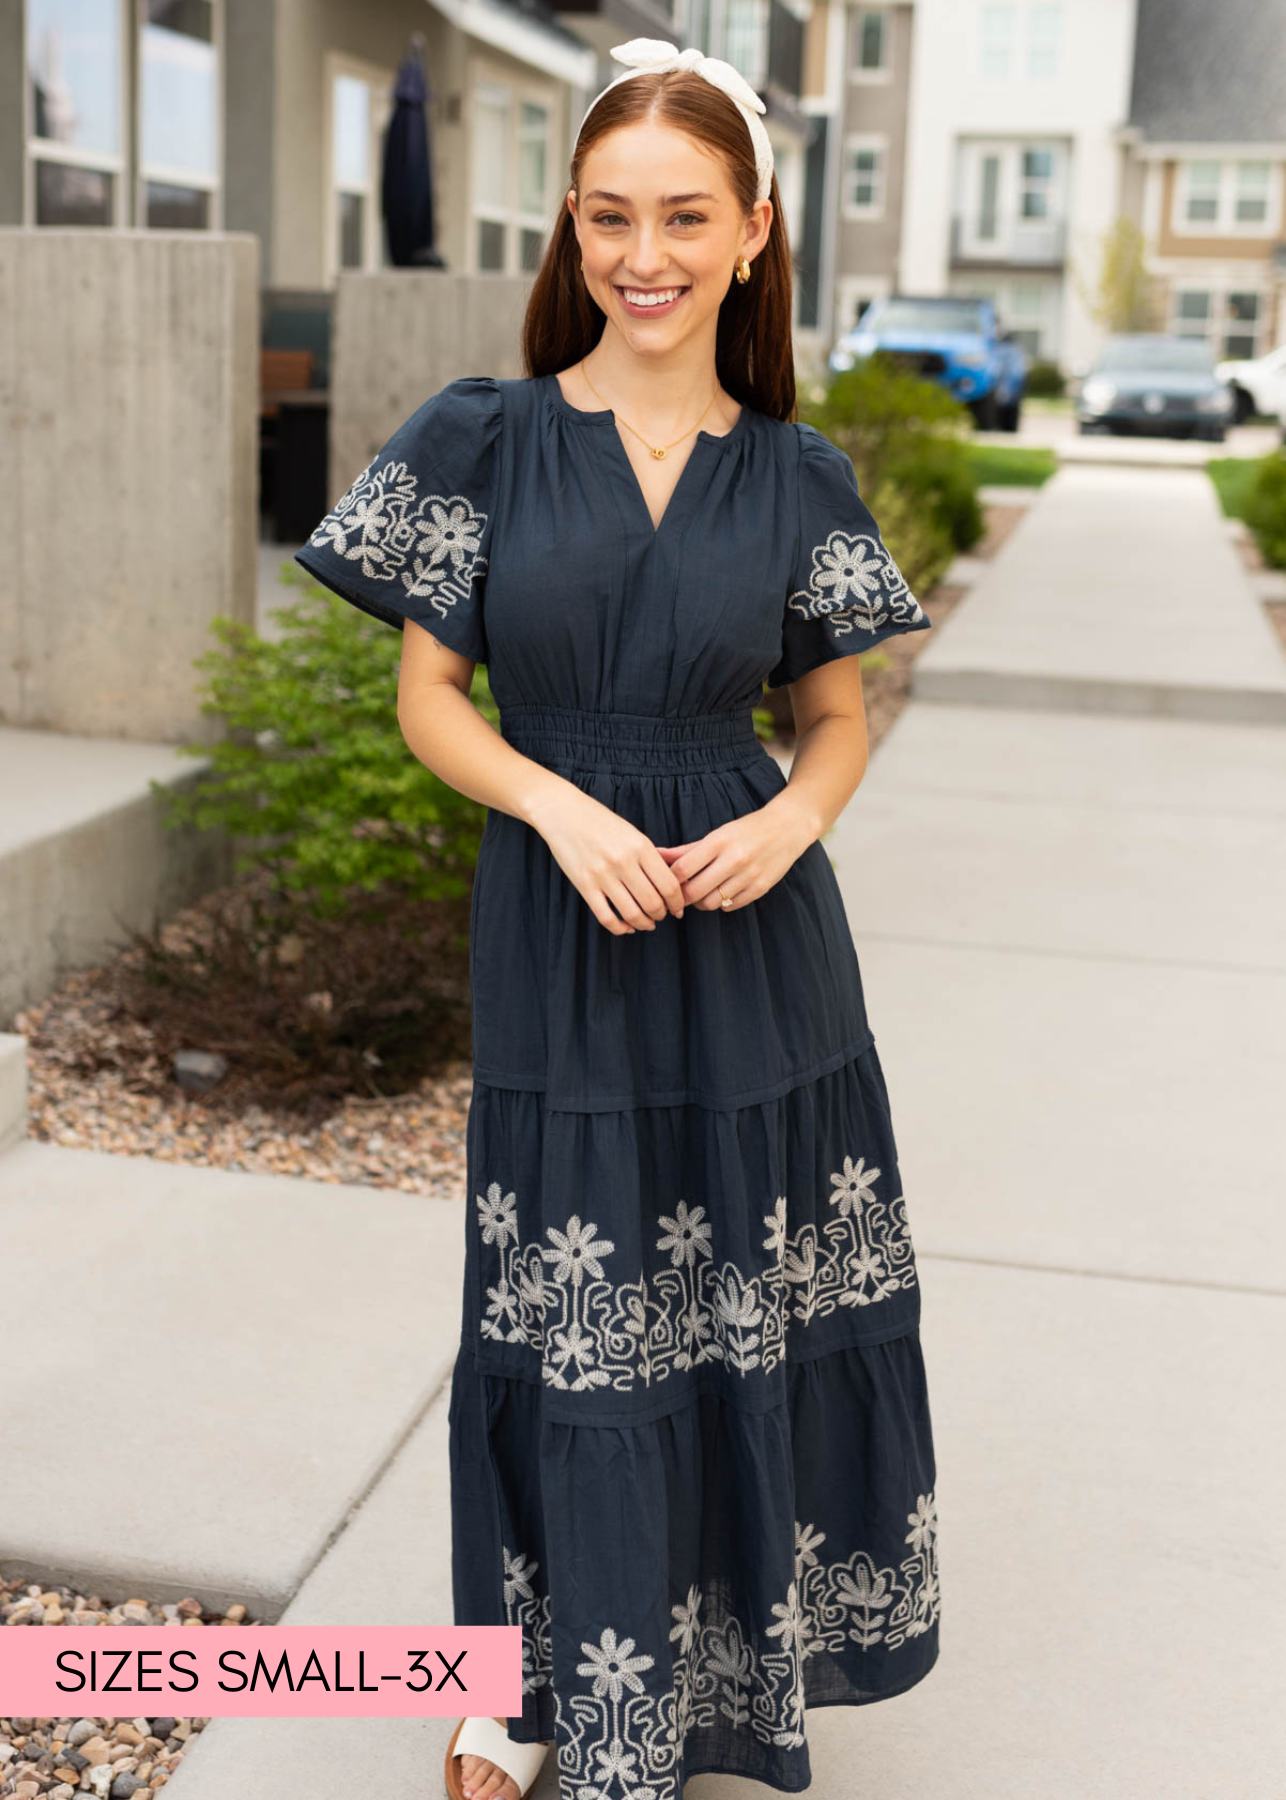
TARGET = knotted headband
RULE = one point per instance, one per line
(653, 56)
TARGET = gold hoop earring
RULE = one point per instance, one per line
(743, 269)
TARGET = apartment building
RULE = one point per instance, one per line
(267, 116)
(1204, 168)
(1010, 178)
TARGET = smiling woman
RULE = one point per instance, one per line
(690, 1446)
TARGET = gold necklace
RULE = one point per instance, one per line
(658, 450)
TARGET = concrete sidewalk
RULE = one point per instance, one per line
(1072, 931)
(1119, 590)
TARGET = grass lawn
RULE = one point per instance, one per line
(1232, 476)
(1004, 466)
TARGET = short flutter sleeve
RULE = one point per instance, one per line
(846, 592)
(410, 538)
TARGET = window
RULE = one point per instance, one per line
(997, 41)
(178, 115)
(1035, 184)
(1192, 312)
(1242, 317)
(1228, 198)
(511, 158)
(1230, 322)
(745, 36)
(1253, 182)
(75, 81)
(869, 52)
(1202, 203)
(353, 171)
(863, 192)
(1044, 28)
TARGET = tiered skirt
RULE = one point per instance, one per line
(690, 1442)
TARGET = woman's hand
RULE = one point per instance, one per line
(744, 857)
(607, 859)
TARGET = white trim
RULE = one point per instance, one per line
(851, 288)
(865, 140)
(507, 30)
(1223, 224)
(1201, 151)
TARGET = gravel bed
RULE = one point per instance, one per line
(413, 1142)
(114, 1759)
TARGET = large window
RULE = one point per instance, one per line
(1214, 196)
(178, 114)
(360, 101)
(511, 162)
(76, 106)
(1019, 41)
(92, 162)
(1230, 320)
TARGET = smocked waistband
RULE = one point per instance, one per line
(640, 743)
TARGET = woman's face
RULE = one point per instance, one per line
(660, 231)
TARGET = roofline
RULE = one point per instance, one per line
(505, 28)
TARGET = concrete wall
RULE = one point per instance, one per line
(128, 424)
(442, 325)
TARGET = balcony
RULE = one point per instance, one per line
(1011, 241)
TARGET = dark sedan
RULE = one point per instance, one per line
(1154, 384)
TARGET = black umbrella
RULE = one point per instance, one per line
(407, 188)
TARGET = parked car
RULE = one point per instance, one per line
(1258, 384)
(1155, 384)
(951, 339)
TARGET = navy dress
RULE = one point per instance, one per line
(690, 1443)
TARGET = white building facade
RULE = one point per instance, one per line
(1012, 162)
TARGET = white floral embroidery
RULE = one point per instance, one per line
(526, 1608)
(593, 1332)
(854, 583)
(622, 1741)
(431, 545)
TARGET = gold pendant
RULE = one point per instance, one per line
(658, 454)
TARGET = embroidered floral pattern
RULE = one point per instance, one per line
(530, 1610)
(855, 583)
(593, 1332)
(621, 1740)
(430, 544)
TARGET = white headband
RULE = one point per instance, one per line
(652, 56)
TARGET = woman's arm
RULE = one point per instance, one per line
(604, 856)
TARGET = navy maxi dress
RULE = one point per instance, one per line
(690, 1443)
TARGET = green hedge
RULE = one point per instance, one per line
(908, 440)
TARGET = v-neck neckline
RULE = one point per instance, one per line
(559, 400)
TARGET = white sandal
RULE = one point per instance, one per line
(482, 1736)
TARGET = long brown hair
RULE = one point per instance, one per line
(754, 354)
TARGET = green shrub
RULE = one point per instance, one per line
(1045, 380)
(909, 442)
(313, 779)
(1264, 507)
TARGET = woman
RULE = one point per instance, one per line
(690, 1442)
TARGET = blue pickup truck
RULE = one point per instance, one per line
(950, 339)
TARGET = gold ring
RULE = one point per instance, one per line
(723, 899)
